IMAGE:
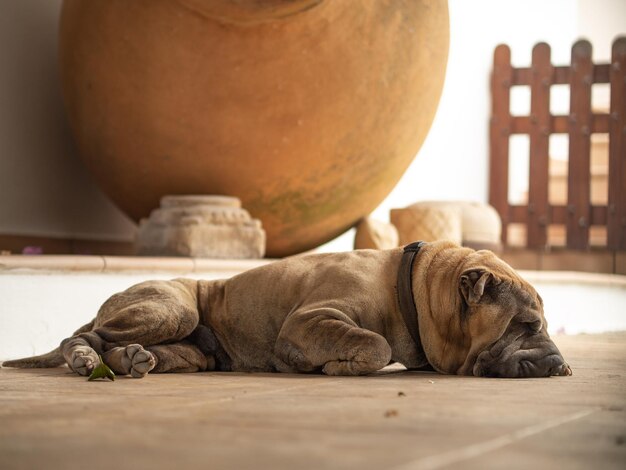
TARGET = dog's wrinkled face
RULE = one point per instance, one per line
(477, 316)
(503, 315)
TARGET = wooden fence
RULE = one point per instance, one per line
(578, 214)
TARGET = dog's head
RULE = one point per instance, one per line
(490, 324)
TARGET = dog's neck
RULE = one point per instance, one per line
(434, 285)
(406, 302)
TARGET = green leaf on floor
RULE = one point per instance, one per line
(102, 372)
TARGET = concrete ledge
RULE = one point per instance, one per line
(574, 277)
(15, 264)
(116, 264)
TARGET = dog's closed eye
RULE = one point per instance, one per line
(534, 326)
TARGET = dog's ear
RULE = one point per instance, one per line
(473, 282)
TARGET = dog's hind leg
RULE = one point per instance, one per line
(174, 357)
(147, 314)
(132, 359)
(81, 352)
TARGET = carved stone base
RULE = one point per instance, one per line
(201, 227)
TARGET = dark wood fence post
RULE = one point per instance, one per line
(579, 166)
(617, 148)
(540, 130)
(499, 133)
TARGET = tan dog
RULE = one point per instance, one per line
(341, 314)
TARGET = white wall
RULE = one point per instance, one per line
(44, 189)
(600, 22)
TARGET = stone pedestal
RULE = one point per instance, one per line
(201, 227)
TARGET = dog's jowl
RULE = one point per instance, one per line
(454, 309)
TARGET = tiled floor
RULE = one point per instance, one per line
(51, 419)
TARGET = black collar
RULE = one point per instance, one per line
(405, 292)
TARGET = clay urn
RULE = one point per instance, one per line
(308, 111)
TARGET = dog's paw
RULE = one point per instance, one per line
(337, 368)
(83, 360)
(141, 361)
(348, 368)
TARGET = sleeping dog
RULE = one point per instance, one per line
(435, 305)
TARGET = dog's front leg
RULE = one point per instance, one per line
(327, 338)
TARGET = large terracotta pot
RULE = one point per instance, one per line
(309, 111)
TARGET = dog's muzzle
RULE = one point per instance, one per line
(521, 353)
